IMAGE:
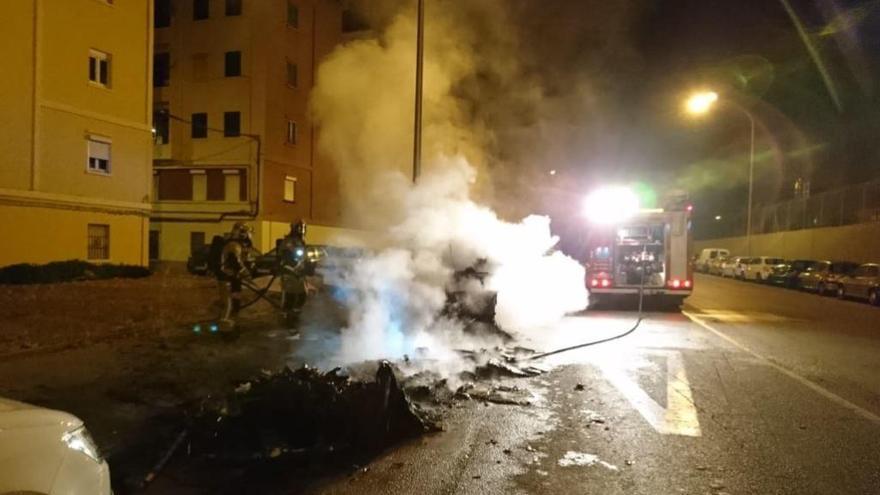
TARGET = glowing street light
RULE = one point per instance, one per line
(553, 172)
(611, 204)
(700, 103)
(717, 217)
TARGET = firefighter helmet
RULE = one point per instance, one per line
(241, 231)
(298, 229)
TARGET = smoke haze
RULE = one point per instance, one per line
(424, 234)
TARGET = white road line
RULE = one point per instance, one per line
(680, 415)
(824, 392)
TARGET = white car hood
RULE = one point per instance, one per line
(14, 414)
(13, 405)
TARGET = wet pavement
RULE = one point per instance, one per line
(752, 389)
(735, 396)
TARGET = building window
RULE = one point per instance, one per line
(200, 9)
(99, 241)
(161, 123)
(226, 185)
(292, 15)
(233, 7)
(216, 185)
(291, 132)
(231, 124)
(292, 74)
(99, 155)
(175, 185)
(162, 14)
(233, 64)
(196, 242)
(199, 125)
(161, 69)
(290, 189)
(99, 68)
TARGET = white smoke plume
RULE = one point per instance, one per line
(425, 233)
(396, 296)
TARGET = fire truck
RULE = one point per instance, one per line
(649, 251)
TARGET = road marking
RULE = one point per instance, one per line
(738, 317)
(680, 415)
(824, 392)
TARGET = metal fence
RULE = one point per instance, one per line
(846, 206)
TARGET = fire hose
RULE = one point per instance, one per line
(260, 292)
(639, 318)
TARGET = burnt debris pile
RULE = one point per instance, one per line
(282, 429)
(307, 411)
(276, 431)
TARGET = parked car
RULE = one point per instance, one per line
(197, 263)
(266, 263)
(733, 267)
(862, 283)
(49, 452)
(714, 266)
(759, 268)
(786, 274)
(701, 264)
(823, 276)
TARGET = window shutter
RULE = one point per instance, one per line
(99, 150)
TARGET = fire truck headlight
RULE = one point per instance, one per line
(610, 205)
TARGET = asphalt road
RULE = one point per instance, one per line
(751, 390)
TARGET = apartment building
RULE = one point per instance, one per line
(233, 139)
(75, 130)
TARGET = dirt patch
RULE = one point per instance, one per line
(69, 315)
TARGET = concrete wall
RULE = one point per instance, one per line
(58, 234)
(860, 242)
(174, 237)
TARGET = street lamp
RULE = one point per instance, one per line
(699, 104)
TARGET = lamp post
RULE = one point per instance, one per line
(417, 125)
(699, 104)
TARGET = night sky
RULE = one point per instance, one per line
(640, 59)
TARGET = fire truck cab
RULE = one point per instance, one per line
(650, 251)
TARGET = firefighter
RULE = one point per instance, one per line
(295, 267)
(235, 265)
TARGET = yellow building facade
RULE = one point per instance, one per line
(234, 140)
(76, 130)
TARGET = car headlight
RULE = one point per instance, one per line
(80, 440)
